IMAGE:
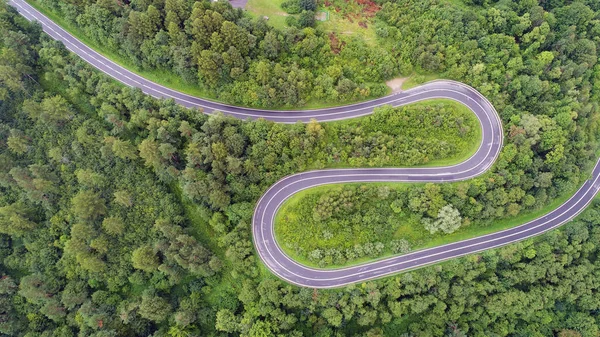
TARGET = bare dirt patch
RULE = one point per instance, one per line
(336, 44)
(396, 83)
(360, 11)
(370, 8)
(321, 16)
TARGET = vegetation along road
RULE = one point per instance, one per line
(264, 240)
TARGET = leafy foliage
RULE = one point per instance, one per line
(229, 56)
(69, 137)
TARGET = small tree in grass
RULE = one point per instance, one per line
(448, 220)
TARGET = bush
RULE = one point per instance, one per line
(291, 7)
(298, 6)
(291, 21)
(399, 246)
(448, 220)
(306, 19)
(308, 5)
(315, 255)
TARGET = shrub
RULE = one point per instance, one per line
(399, 246)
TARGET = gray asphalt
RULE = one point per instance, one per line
(238, 3)
(263, 220)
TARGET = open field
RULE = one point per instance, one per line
(269, 8)
(337, 22)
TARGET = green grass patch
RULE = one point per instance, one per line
(198, 217)
(418, 78)
(298, 235)
(411, 132)
(221, 286)
(269, 8)
(342, 27)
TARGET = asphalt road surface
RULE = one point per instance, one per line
(263, 220)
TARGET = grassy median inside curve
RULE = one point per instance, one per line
(437, 132)
(370, 226)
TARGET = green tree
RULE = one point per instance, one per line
(226, 321)
(17, 142)
(308, 5)
(149, 151)
(145, 258)
(113, 225)
(333, 317)
(448, 220)
(12, 71)
(154, 307)
(14, 220)
(124, 149)
(123, 198)
(88, 205)
(306, 19)
(261, 329)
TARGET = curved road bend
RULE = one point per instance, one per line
(263, 221)
(451, 90)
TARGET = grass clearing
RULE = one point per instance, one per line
(269, 8)
(464, 154)
(344, 28)
(417, 79)
(336, 22)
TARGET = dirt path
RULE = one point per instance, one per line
(396, 83)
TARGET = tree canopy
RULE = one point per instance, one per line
(123, 215)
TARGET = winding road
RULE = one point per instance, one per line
(263, 220)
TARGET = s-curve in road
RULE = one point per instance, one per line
(263, 221)
(296, 273)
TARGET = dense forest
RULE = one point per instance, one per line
(539, 68)
(230, 56)
(122, 215)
